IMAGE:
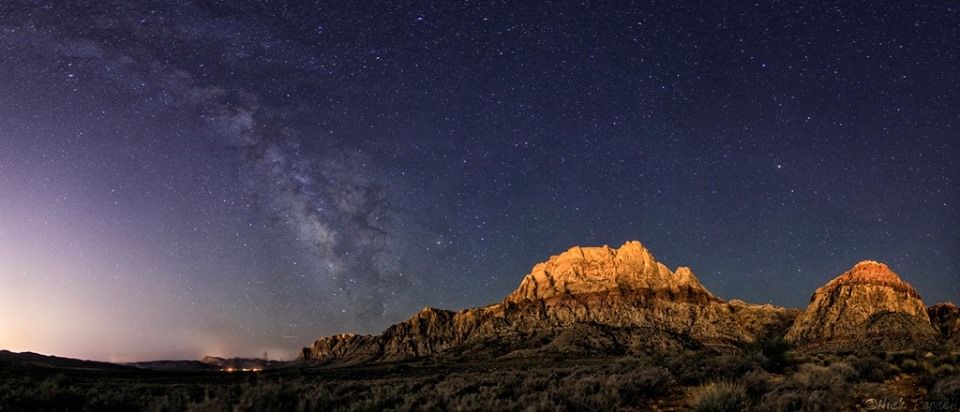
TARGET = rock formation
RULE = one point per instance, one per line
(764, 321)
(622, 287)
(869, 307)
(586, 299)
(945, 318)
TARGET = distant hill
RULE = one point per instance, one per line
(241, 363)
(30, 360)
(174, 365)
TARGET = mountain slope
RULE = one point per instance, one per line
(30, 360)
(868, 306)
(587, 298)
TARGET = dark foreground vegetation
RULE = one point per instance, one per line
(765, 378)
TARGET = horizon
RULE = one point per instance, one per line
(288, 358)
(187, 179)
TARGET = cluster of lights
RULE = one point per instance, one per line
(241, 370)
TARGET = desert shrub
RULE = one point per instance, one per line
(756, 383)
(910, 365)
(207, 405)
(534, 382)
(484, 399)
(477, 392)
(543, 403)
(775, 353)
(590, 392)
(53, 393)
(825, 359)
(871, 369)
(589, 386)
(316, 400)
(455, 385)
(177, 399)
(949, 358)
(903, 358)
(639, 385)
(926, 373)
(843, 370)
(944, 371)
(812, 388)
(720, 396)
(947, 390)
(382, 396)
(730, 366)
(422, 402)
(816, 400)
(689, 370)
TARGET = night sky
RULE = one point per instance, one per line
(180, 179)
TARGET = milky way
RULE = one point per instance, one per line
(180, 179)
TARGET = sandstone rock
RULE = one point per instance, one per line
(587, 299)
(945, 318)
(622, 287)
(867, 307)
(591, 270)
(346, 348)
(764, 321)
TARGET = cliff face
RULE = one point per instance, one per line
(867, 306)
(591, 270)
(621, 287)
(626, 299)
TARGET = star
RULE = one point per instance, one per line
(314, 166)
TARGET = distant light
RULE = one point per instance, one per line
(241, 370)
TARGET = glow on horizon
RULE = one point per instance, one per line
(76, 322)
(70, 290)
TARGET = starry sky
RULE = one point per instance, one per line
(180, 179)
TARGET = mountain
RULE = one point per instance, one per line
(174, 365)
(211, 363)
(584, 300)
(240, 363)
(868, 306)
(30, 360)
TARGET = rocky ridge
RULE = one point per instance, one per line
(603, 300)
(866, 306)
(945, 318)
(587, 298)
